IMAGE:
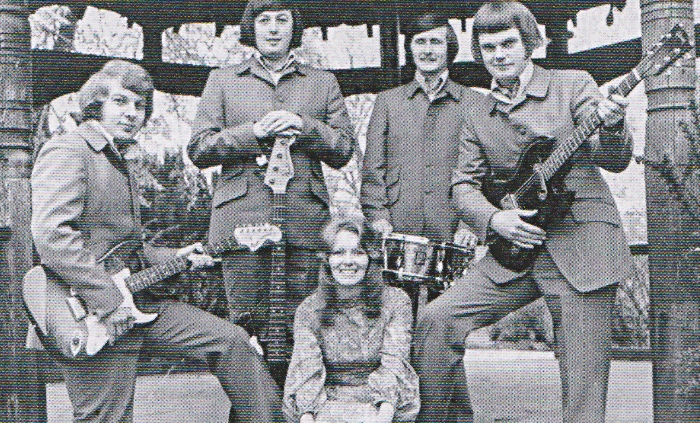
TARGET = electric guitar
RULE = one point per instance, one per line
(538, 183)
(63, 320)
(280, 170)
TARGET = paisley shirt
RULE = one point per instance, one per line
(357, 359)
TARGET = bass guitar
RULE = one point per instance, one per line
(280, 170)
(538, 183)
(64, 321)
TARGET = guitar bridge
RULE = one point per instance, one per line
(76, 308)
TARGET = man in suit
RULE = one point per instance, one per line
(413, 140)
(242, 110)
(584, 253)
(84, 204)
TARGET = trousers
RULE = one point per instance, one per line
(101, 388)
(247, 283)
(582, 331)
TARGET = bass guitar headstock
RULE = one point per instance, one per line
(280, 169)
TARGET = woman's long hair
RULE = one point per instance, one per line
(372, 284)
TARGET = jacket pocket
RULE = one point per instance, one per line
(393, 186)
(318, 188)
(595, 210)
(229, 190)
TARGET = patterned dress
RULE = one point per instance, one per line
(342, 373)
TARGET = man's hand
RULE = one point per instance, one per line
(383, 227)
(509, 225)
(613, 110)
(307, 418)
(465, 238)
(279, 122)
(195, 255)
(118, 322)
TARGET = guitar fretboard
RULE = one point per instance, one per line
(583, 131)
(146, 278)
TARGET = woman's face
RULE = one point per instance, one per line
(347, 259)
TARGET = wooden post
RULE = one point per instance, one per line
(24, 395)
(389, 44)
(673, 284)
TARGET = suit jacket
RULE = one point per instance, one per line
(84, 202)
(588, 243)
(412, 148)
(236, 97)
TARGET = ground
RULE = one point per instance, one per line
(506, 386)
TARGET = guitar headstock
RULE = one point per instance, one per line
(670, 48)
(280, 168)
(256, 236)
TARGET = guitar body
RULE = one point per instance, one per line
(550, 200)
(65, 324)
(63, 320)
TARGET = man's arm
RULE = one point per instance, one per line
(611, 148)
(467, 177)
(59, 191)
(472, 205)
(212, 142)
(332, 139)
(373, 195)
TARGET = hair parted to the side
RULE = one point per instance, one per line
(503, 15)
(95, 91)
(256, 7)
(372, 285)
(426, 22)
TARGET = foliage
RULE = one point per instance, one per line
(175, 207)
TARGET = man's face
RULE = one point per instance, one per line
(429, 50)
(123, 112)
(504, 54)
(273, 33)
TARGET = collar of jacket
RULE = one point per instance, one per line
(253, 67)
(95, 139)
(450, 89)
(537, 88)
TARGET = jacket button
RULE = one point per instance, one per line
(280, 99)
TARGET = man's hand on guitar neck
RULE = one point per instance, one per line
(612, 110)
(118, 322)
(195, 255)
(509, 225)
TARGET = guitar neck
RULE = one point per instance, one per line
(278, 273)
(146, 278)
(583, 131)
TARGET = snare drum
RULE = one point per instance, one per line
(450, 262)
(417, 259)
(407, 257)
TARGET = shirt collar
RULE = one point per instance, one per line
(523, 82)
(432, 93)
(447, 87)
(291, 59)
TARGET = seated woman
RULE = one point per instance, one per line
(352, 338)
